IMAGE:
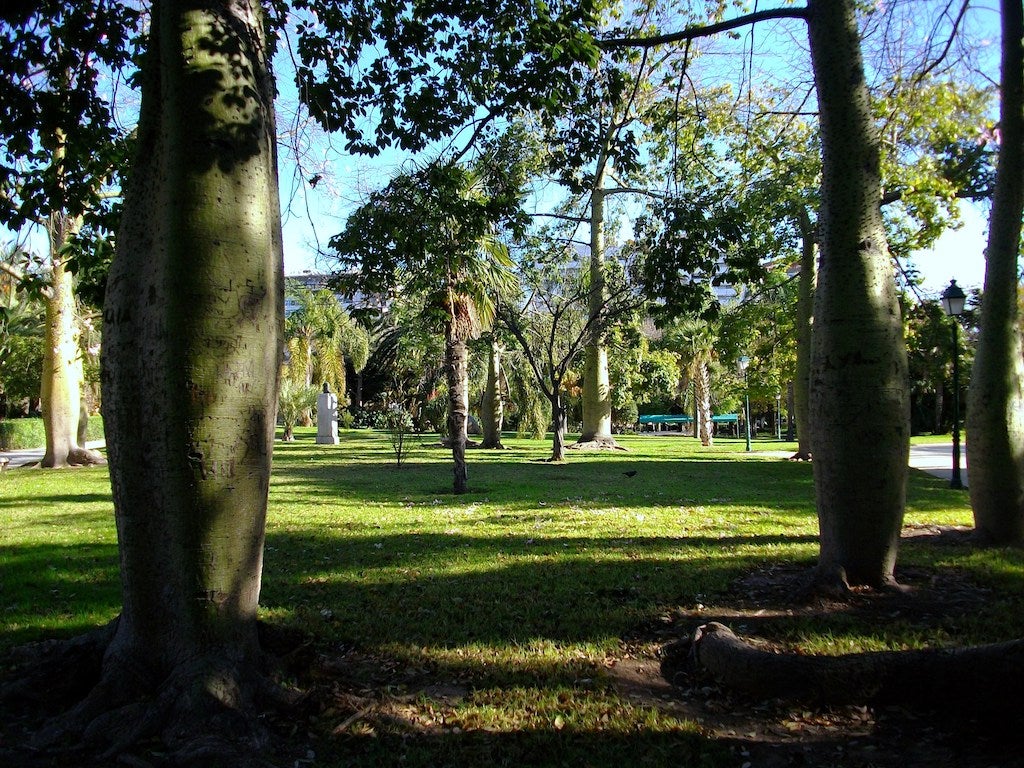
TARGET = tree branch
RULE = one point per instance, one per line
(692, 33)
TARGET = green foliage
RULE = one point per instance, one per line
(442, 65)
(430, 234)
(61, 144)
(293, 400)
(319, 335)
(398, 425)
(16, 434)
(21, 368)
(929, 337)
(685, 245)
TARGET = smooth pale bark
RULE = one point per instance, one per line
(63, 378)
(859, 406)
(457, 373)
(995, 401)
(597, 395)
(191, 356)
(491, 409)
(804, 313)
(702, 397)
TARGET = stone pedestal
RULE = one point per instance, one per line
(326, 418)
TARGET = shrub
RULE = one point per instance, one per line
(16, 434)
(398, 423)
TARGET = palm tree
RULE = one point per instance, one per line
(694, 340)
(319, 336)
(431, 234)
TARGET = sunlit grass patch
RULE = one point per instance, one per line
(520, 596)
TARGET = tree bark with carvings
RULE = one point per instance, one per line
(191, 355)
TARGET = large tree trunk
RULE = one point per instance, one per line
(63, 377)
(859, 405)
(597, 394)
(191, 356)
(995, 410)
(804, 313)
(491, 410)
(457, 372)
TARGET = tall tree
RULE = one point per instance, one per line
(319, 336)
(860, 408)
(995, 405)
(553, 321)
(61, 148)
(432, 234)
(190, 370)
(492, 410)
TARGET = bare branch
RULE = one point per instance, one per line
(692, 33)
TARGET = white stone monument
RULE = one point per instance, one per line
(326, 418)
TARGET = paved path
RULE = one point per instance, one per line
(28, 456)
(937, 459)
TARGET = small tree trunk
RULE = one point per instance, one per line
(457, 372)
(804, 313)
(790, 402)
(995, 409)
(63, 377)
(859, 406)
(492, 411)
(702, 396)
(557, 426)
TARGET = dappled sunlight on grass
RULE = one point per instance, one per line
(522, 595)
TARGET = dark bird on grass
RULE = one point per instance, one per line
(630, 473)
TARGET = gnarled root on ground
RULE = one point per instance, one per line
(205, 713)
(973, 680)
(597, 444)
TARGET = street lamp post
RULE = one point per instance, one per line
(953, 300)
(744, 362)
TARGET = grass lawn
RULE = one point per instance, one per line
(520, 624)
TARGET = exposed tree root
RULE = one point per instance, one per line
(980, 680)
(100, 707)
(77, 457)
(597, 444)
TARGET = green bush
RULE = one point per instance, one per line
(21, 433)
(16, 434)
